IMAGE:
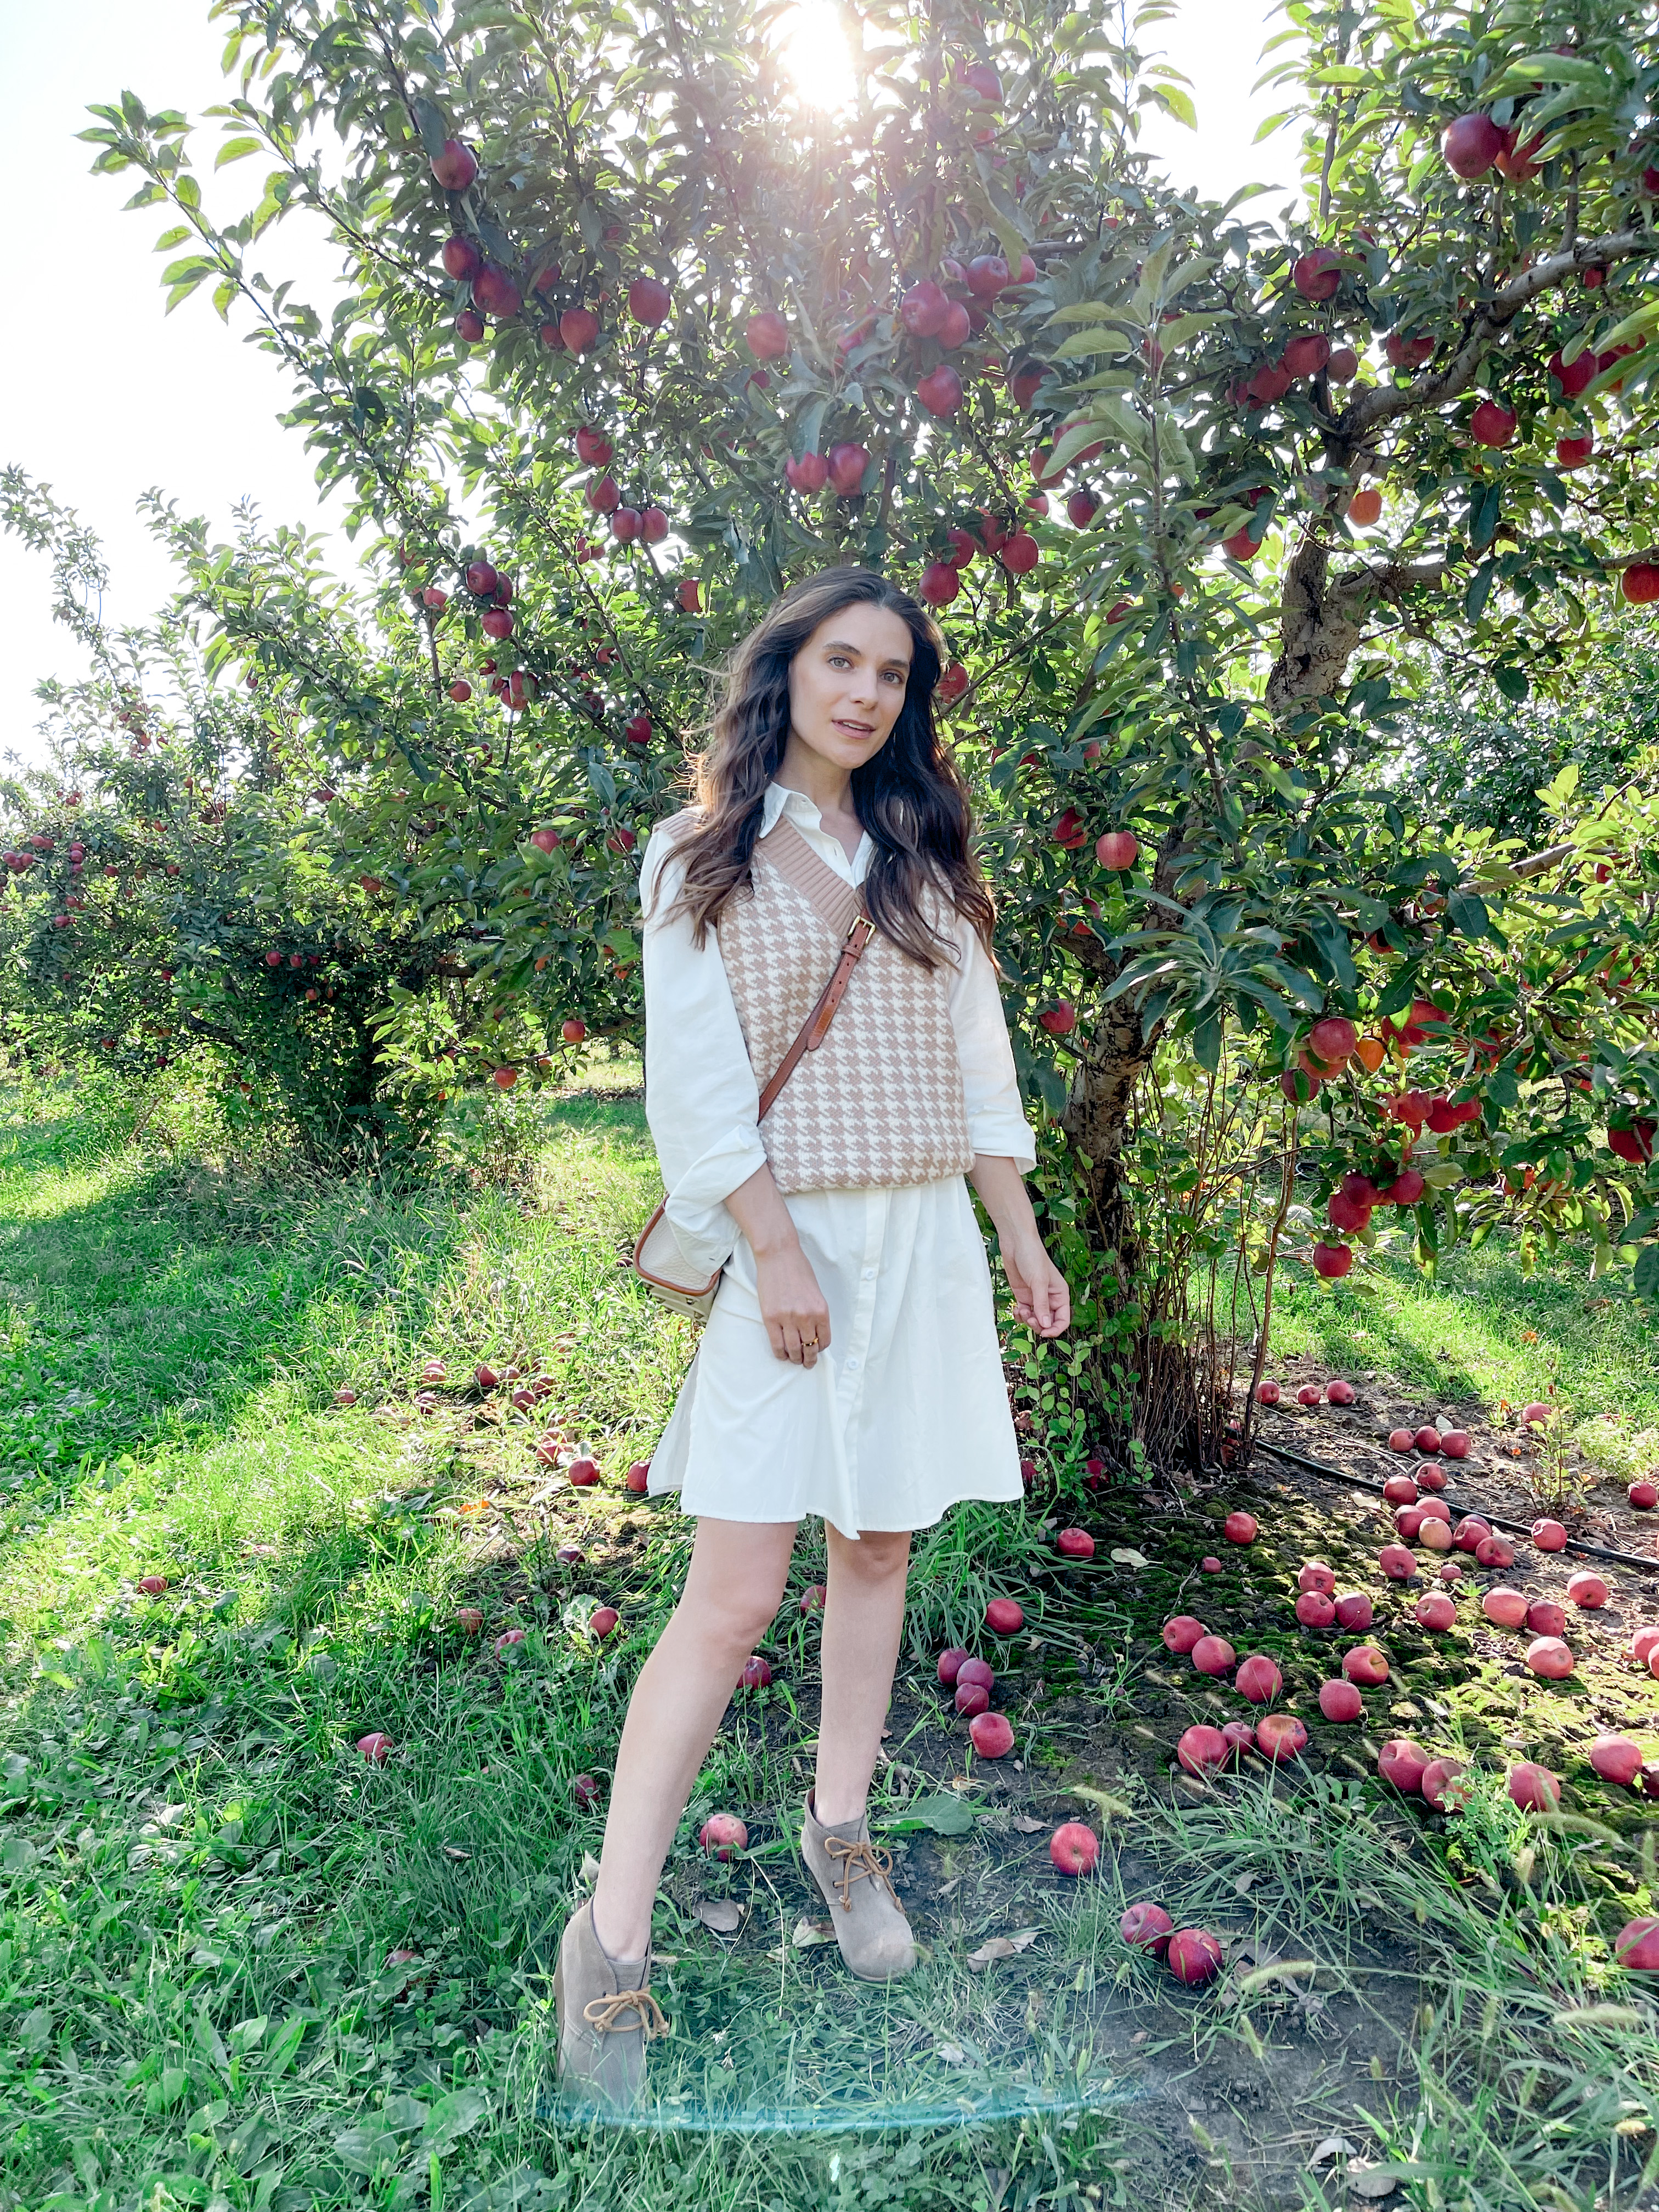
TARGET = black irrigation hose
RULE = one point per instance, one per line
(1648, 1566)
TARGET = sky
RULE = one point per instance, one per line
(115, 398)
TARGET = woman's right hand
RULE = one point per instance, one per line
(791, 1304)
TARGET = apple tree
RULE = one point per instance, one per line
(1204, 502)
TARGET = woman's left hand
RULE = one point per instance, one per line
(1042, 1297)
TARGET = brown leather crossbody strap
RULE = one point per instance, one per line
(815, 1027)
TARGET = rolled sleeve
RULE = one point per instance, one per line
(701, 1100)
(997, 1126)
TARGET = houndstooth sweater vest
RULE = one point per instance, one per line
(880, 1103)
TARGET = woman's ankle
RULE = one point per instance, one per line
(639, 1937)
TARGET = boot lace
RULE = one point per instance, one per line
(859, 1861)
(605, 2014)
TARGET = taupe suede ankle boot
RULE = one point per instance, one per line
(606, 2015)
(856, 1879)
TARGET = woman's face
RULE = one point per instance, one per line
(847, 684)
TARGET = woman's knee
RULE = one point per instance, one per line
(878, 1556)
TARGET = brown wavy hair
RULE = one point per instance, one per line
(910, 796)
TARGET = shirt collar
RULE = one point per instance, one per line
(783, 799)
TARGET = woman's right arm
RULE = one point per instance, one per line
(703, 1104)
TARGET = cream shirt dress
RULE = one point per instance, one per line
(906, 1409)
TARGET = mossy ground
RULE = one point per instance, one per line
(203, 1886)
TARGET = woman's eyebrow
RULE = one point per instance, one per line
(841, 645)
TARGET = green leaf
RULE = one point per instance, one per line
(1647, 1272)
(368, 2148)
(235, 149)
(942, 1812)
(1174, 101)
(452, 2117)
(1469, 914)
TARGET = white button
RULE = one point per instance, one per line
(851, 1364)
(869, 1274)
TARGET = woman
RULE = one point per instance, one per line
(850, 1366)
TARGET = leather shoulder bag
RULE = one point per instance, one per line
(657, 1260)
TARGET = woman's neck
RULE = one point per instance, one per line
(828, 785)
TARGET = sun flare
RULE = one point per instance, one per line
(812, 42)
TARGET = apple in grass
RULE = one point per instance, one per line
(374, 1746)
(949, 1665)
(1441, 1790)
(1202, 1749)
(1643, 1495)
(1533, 1788)
(991, 1735)
(1402, 1763)
(1314, 1609)
(153, 1585)
(1182, 1633)
(469, 1619)
(756, 1674)
(1545, 1618)
(1075, 1544)
(602, 1622)
(638, 1477)
(1279, 1737)
(1616, 1759)
(1397, 1563)
(1146, 1927)
(1239, 1527)
(1073, 1849)
(723, 1833)
(1005, 1616)
(1314, 1575)
(1194, 1956)
(1365, 1665)
(1213, 1655)
(1436, 1612)
(1341, 1702)
(1258, 1679)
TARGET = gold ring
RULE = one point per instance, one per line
(809, 1344)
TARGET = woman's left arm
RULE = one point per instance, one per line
(1004, 1149)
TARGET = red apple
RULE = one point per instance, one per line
(1340, 1701)
(1549, 1535)
(508, 1640)
(1267, 1394)
(1429, 1476)
(1239, 1527)
(941, 391)
(1400, 1440)
(951, 684)
(1279, 1737)
(1495, 1551)
(1533, 1788)
(1587, 1590)
(579, 327)
(1397, 1563)
(1365, 1665)
(1471, 1532)
(1314, 1609)
(1436, 1535)
(756, 1674)
(585, 1789)
(1005, 1616)
(375, 1747)
(460, 691)
(923, 309)
(638, 1477)
(1545, 1618)
(1333, 1262)
(1117, 850)
(1306, 353)
(1020, 555)
(1505, 1607)
(987, 275)
(1075, 1544)
(847, 463)
(1365, 508)
(494, 290)
(1239, 1736)
(1209, 1565)
(603, 1620)
(1213, 1655)
(1440, 1786)
(1342, 366)
(1399, 1490)
(1537, 1412)
(1182, 1632)
(1406, 1189)
(1341, 1392)
(971, 1698)
(1403, 1763)
(461, 258)
(153, 1585)
(1643, 1496)
(949, 1660)
(1451, 1573)
(485, 1375)
(1314, 1575)
(1354, 1611)
(1194, 1956)
(1435, 1611)
(721, 1834)
(1426, 1440)
(1201, 1749)
(1637, 1945)
(583, 1472)
(1639, 583)
(1642, 1644)
(979, 1671)
(1491, 424)
(1310, 1393)
(1471, 145)
(649, 301)
(1616, 1759)
(1317, 274)
(1148, 1928)
(453, 166)
(497, 623)
(1074, 1848)
(1573, 452)
(1258, 1679)
(992, 1734)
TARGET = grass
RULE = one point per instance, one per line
(241, 1969)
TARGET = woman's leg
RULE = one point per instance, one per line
(863, 1619)
(730, 1598)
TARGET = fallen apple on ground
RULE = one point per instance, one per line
(1533, 1788)
(583, 1472)
(1194, 1956)
(508, 1640)
(1495, 1551)
(570, 1555)
(1314, 1575)
(722, 1833)
(1399, 1490)
(971, 1699)
(1429, 1477)
(950, 1663)
(1616, 1759)
(1397, 1563)
(1549, 1535)
(1267, 1394)
(1339, 1393)
(1455, 1444)
(1239, 1736)
(1310, 1395)
(1075, 1544)
(374, 1746)
(153, 1585)
(1314, 1609)
(1403, 1763)
(1588, 1590)
(1209, 1565)
(585, 1792)
(601, 1620)
(1147, 1927)
(1399, 1440)
(1545, 1618)
(345, 1397)
(1549, 1658)
(1643, 1496)
(1201, 1748)
(977, 1672)
(638, 1477)
(1506, 1608)
(1180, 1632)
(1279, 1737)
(1073, 1849)
(1239, 1527)
(1354, 1612)
(1341, 1702)
(1365, 1665)
(1436, 1611)
(1439, 1777)
(1643, 1643)
(1471, 1531)
(811, 1598)
(1213, 1655)
(469, 1619)
(1258, 1679)
(1003, 1616)
(993, 1735)
(756, 1674)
